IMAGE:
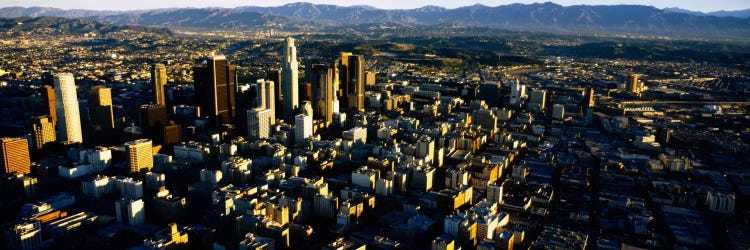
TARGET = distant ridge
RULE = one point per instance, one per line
(547, 17)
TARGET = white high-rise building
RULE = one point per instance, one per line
(66, 105)
(289, 78)
(271, 99)
(259, 123)
(303, 128)
(517, 92)
(131, 212)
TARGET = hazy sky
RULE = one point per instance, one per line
(698, 5)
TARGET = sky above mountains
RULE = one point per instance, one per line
(694, 5)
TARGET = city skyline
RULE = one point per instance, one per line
(693, 5)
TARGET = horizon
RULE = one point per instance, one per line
(691, 5)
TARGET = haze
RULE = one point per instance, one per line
(695, 5)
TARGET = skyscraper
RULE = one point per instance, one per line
(43, 131)
(158, 80)
(266, 95)
(100, 108)
(290, 84)
(258, 123)
(303, 128)
(216, 82)
(321, 79)
(140, 155)
(15, 153)
(275, 76)
(66, 105)
(356, 88)
(48, 96)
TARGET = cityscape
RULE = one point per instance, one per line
(314, 126)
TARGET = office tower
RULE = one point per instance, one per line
(290, 85)
(633, 85)
(26, 235)
(66, 104)
(100, 108)
(303, 128)
(356, 83)
(15, 153)
(158, 80)
(130, 212)
(588, 98)
(321, 78)
(517, 92)
(258, 123)
(216, 84)
(140, 155)
(275, 76)
(153, 117)
(266, 92)
(343, 64)
(537, 100)
(43, 131)
(48, 96)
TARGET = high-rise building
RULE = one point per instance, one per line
(356, 83)
(258, 123)
(48, 96)
(275, 76)
(267, 100)
(303, 128)
(66, 105)
(216, 82)
(290, 84)
(633, 85)
(140, 155)
(321, 78)
(588, 98)
(100, 108)
(15, 153)
(158, 80)
(130, 212)
(43, 131)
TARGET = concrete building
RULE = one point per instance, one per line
(357, 134)
(130, 212)
(303, 128)
(259, 122)
(43, 131)
(140, 155)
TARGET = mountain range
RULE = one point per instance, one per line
(547, 17)
(70, 26)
